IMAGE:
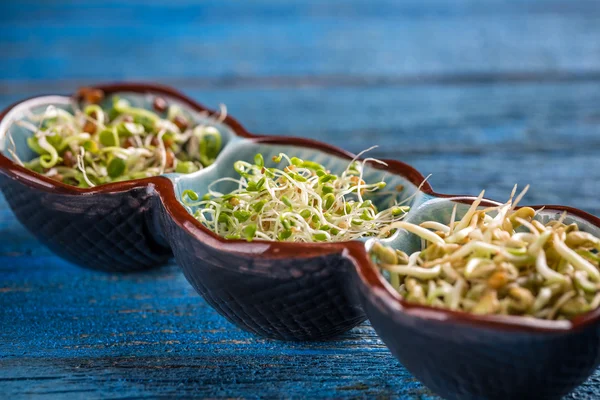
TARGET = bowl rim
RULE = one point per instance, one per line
(355, 251)
(384, 292)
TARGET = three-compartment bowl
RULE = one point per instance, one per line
(295, 291)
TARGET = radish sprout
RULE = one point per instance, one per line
(303, 202)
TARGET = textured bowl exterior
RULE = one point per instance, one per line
(305, 297)
(103, 231)
(460, 361)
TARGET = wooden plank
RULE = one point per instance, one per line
(526, 117)
(429, 119)
(222, 376)
(43, 40)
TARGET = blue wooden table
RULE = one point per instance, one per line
(481, 94)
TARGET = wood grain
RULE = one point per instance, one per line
(43, 40)
(480, 94)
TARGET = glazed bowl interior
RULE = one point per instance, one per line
(246, 149)
(38, 105)
(440, 210)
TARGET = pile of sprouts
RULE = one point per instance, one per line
(94, 145)
(498, 260)
(301, 202)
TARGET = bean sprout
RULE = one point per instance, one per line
(549, 271)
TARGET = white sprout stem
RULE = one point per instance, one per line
(222, 113)
(560, 302)
(414, 271)
(466, 220)
(575, 259)
(81, 167)
(473, 266)
(416, 229)
(51, 151)
(542, 299)
(456, 294)
(436, 226)
(538, 244)
(528, 225)
(519, 197)
(27, 125)
(162, 151)
(13, 151)
(543, 269)
(452, 219)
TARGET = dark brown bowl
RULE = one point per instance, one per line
(282, 290)
(297, 291)
(108, 227)
(465, 356)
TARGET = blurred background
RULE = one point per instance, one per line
(482, 94)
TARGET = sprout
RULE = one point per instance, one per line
(81, 167)
(301, 201)
(12, 150)
(116, 143)
(416, 229)
(482, 265)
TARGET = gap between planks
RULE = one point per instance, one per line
(9, 87)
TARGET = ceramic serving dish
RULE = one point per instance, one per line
(464, 356)
(279, 290)
(296, 291)
(107, 227)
